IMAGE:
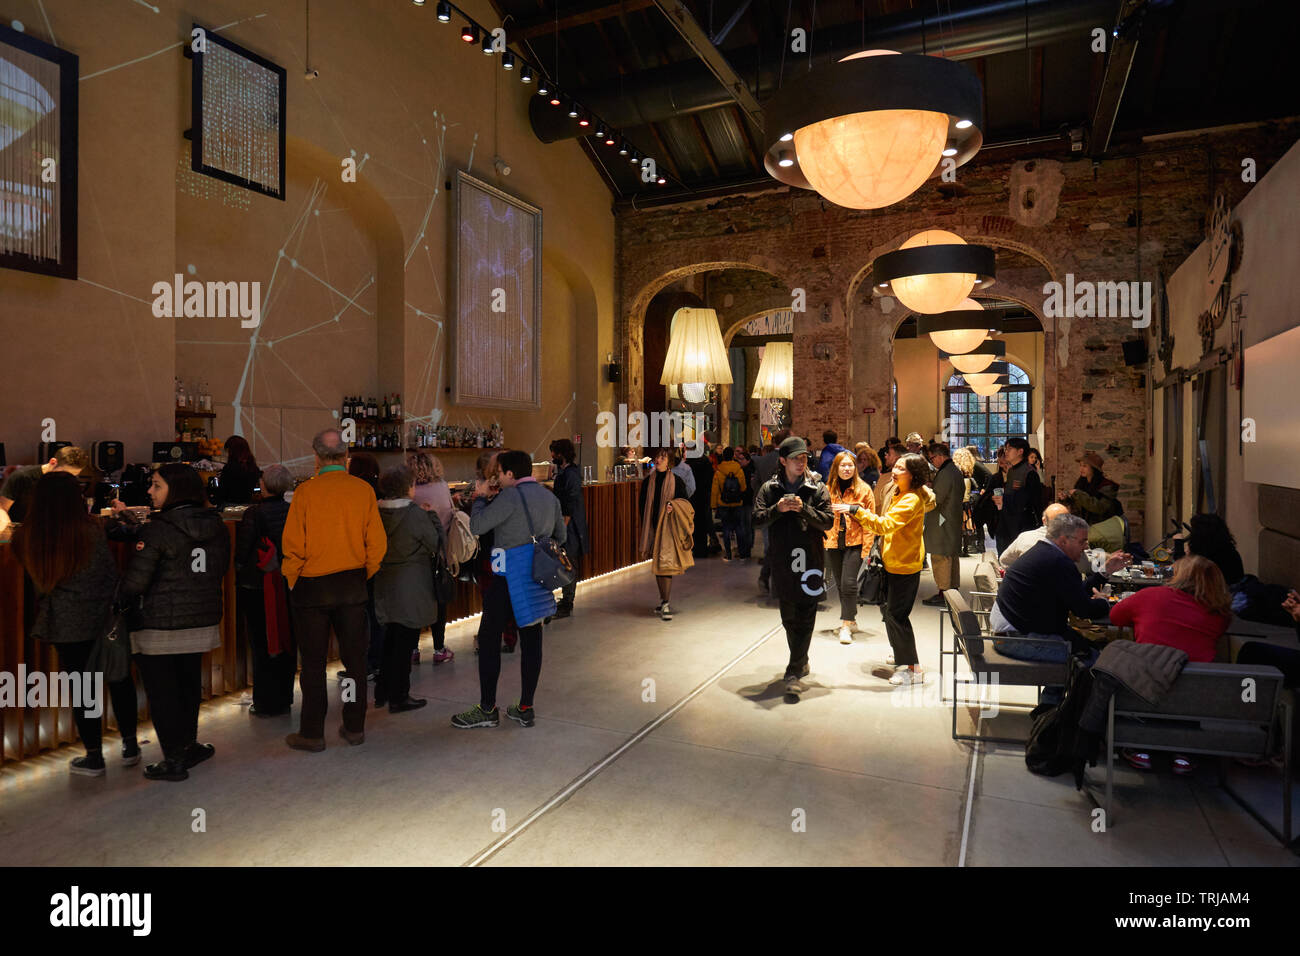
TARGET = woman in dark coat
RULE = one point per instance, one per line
(240, 475)
(273, 670)
(1095, 495)
(175, 577)
(405, 601)
(65, 553)
(568, 488)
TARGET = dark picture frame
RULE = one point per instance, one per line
(198, 159)
(65, 184)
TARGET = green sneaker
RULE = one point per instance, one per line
(525, 715)
(476, 716)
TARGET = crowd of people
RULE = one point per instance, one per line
(372, 556)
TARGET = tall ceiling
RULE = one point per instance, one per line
(650, 68)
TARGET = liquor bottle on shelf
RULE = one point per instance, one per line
(397, 405)
(180, 394)
(373, 407)
(385, 410)
(345, 409)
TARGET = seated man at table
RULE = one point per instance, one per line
(1042, 588)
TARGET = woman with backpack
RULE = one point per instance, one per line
(729, 499)
(263, 599)
(405, 595)
(432, 495)
(847, 543)
(64, 552)
(176, 575)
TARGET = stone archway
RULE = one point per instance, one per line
(635, 377)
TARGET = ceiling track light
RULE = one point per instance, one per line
(622, 150)
(526, 74)
(487, 44)
(507, 60)
(469, 33)
(609, 139)
(600, 133)
(444, 11)
(573, 111)
(634, 158)
(418, 3)
(555, 99)
(869, 130)
(584, 121)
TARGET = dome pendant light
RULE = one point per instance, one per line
(696, 352)
(986, 390)
(934, 271)
(869, 130)
(977, 359)
(958, 330)
(995, 374)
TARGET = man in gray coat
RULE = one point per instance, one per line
(943, 524)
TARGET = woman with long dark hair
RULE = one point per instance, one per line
(240, 475)
(1210, 538)
(903, 551)
(65, 553)
(176, 575)
(847, 544)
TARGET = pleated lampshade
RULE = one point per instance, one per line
(696, 352)
(776, 371)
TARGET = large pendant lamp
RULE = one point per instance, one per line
(997, 373)
(776, 372)
(934, 270)
(979, 358)
(696, 352)
(958, 330)
(987, 390)
(867, 131)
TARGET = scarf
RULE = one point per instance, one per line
(666, 491)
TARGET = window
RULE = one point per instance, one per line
(988, 422)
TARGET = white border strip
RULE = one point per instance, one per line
(632, 741)
(970, 798)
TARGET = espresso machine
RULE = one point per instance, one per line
(107, 457)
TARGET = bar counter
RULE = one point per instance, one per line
(612, 524)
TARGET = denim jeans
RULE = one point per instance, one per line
(731, 524)
(1056, 652)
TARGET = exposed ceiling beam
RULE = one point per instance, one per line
(1119, 62)
(739, 119)
(735, 18)
(666, 156)
(544, 25)
(704, 141)
(711, 57)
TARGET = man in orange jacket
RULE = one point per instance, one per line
(334, 542)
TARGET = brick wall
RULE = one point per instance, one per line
(1132, 217)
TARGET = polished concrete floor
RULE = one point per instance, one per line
(656, 744)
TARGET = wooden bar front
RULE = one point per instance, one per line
(612, 524)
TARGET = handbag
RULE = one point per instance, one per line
(112, 651)
(444, 582)
(551, 565)
(872, 580)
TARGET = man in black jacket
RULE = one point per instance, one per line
(568, 488)
(943, 524)
(798, 512)
(1043, 588)
(1021, 499)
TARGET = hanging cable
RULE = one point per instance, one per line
(785, 41)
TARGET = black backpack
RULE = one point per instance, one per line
(1056, 742)
(731, 494)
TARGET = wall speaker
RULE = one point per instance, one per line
(1135, 352)
(108, 456)
(613, 372)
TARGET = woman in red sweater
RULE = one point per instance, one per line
(1190, 613)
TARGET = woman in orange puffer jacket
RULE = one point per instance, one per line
(847, 541)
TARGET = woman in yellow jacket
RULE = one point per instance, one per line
(903, 550)
(847, 543)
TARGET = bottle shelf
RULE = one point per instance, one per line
(194, 413)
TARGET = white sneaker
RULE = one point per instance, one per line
(665, 612)
(846, 636)
(905, 675)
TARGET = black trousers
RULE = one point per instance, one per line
(900, 597)
(1285, 659)
(338, 601)
(72, 659)
(174, 685)
(570, 590)
(272, 676)
(798, 621)
(395, 673)
(498, 616)
(375, 649)
(844, 564)
(439, 628)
